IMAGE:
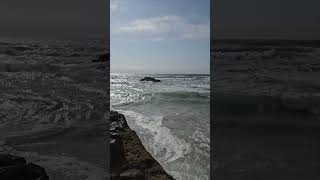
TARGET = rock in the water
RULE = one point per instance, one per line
(102, 58)
(150, 79)
(16, 168)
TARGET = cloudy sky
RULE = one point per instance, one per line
(167, 36)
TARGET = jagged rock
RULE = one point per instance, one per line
(150, 79)
(16, 168)
(118, 121)
(129, 159)
(102, 58)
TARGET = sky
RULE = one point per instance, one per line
(54, 18)
(167, 36)
(284, 19)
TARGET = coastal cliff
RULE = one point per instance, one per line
(129, 159)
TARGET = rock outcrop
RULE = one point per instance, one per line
(16, 168)
(129, 159)
(150, 79)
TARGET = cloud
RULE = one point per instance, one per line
(167, 27)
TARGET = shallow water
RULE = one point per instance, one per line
(170, 117)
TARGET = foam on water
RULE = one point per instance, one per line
(164, 145)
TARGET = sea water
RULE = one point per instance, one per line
(171, 118)
(51, 112)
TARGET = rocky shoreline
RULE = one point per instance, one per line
(129, 159)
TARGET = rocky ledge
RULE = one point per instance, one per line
(129, 159)
(16, 168)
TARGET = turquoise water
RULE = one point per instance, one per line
(170, 117)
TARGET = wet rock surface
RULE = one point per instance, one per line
(129, 159)
(16, 168)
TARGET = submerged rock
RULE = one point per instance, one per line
(150, 79)
(129, 159)
(16, 168)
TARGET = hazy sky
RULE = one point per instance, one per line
(54, 18)
(287, 19)
(153, 36)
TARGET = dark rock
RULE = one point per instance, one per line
(117, 124)
(150, 79)
(16, 168)
(102, 58)
(117, 153)
(118, 121)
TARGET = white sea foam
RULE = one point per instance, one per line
(164, 144)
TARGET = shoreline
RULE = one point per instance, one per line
(129, 158)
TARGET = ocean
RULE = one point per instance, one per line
(53, 104)
(266, 107)
(171, 118)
